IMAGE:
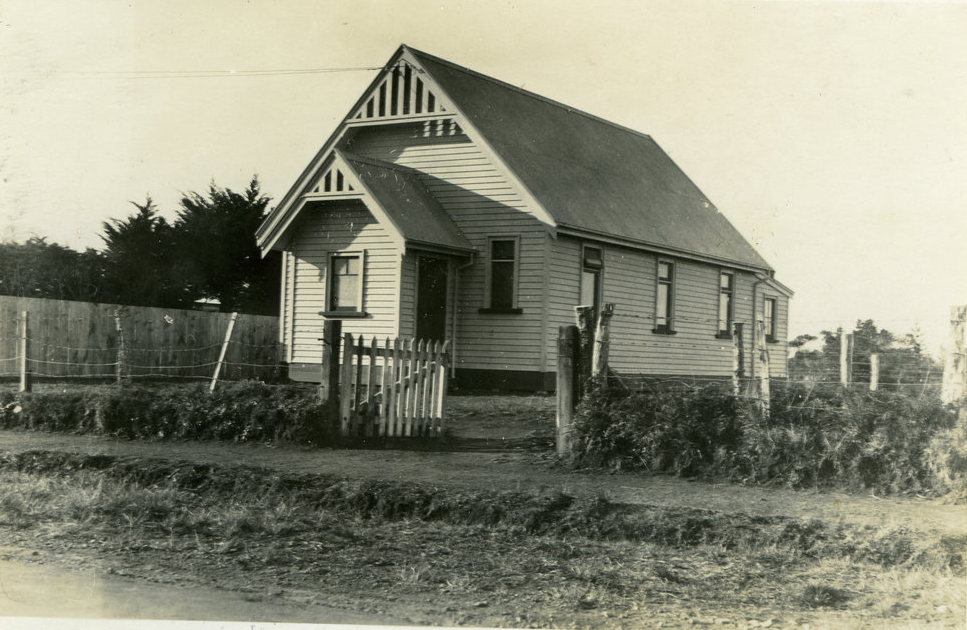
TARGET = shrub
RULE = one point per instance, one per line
(241, 412)
(676, 431)
(884, 441)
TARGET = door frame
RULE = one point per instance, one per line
(447, 310)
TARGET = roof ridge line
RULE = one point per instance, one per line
(522, 91)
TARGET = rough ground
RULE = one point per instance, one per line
(435, 574)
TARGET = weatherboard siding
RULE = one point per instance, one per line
(483, 204)
(337, 227)
(629, 281)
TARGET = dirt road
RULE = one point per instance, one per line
(514, 469)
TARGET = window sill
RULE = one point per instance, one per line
(771, 339)
(500, 311)
(664, 331)
(723, 335)
(343, 314)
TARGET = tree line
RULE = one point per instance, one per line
(207, 252)
(901, 356)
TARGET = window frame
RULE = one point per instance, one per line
(597, 270)
(726, 333)
(358, 309)
(514, 307)
(667, 328)
(770, 324)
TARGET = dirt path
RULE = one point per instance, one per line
(516, 469)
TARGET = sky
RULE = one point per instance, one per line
(833, 135)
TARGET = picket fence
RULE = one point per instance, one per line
(394, 389)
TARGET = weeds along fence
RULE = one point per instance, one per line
(607, 349)
(80, 340)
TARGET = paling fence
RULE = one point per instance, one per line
(80, 340)
(749, 362)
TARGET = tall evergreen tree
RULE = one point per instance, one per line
(217, 254)
(139, 254)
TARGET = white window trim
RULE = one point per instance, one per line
(599, 298)
(730, 316)
(670, 325)
(361, 309)
(488, 285)
(771, 336)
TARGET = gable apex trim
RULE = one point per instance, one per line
(336, 160)
(471, 131)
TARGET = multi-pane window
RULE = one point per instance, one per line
(769, 318)
(591, 267)
(665, 295)
(345, 283)
(726, 302)
(503, 272)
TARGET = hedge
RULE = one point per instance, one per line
(883, 441)
(241, 412)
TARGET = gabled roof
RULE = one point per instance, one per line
(408, 204)
(587, 175)
(590, 174)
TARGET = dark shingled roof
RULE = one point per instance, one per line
(590, 174)
(408, 203)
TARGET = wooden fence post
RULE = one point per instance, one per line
(845, 358)
(602, 341)
(874, 371)
(221, 355)
(764, 394)
(329, 376)
(584, 317)
(568, 345)
(738, 358)
(954, 387)
(25, 384)
(121, 356)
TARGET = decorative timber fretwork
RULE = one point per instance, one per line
(401, 93)
(332, 181)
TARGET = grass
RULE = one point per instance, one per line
(478, 557)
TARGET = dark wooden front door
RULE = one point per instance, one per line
(431, 299)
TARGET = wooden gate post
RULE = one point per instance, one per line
(24, 343)
(954, 387)
(568, 345)
(329, 375)
(584, 317)
(602, 342)
(845, 358)
(346, 385)
(874, 371)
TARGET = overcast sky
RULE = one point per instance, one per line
(832, 134)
